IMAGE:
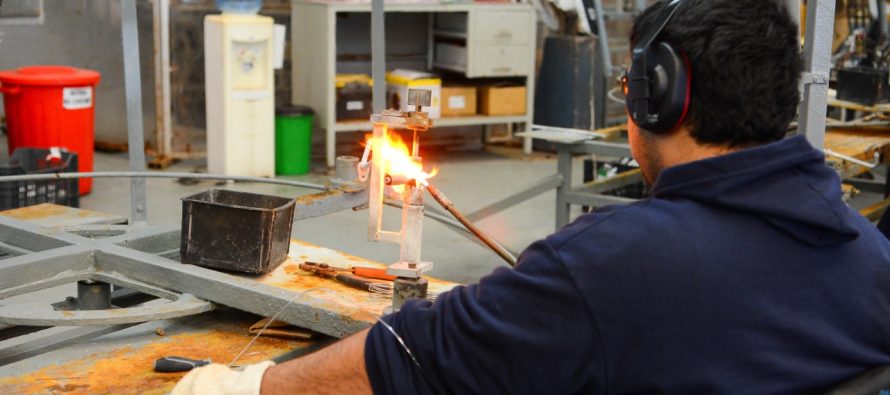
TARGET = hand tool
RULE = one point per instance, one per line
(173, 364)
(369, 272)
(345, 276)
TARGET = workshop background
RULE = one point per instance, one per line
(528, 132)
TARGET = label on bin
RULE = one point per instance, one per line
(77, 98)
(355, 105)
(457, 102)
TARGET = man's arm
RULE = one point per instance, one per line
(336, 369)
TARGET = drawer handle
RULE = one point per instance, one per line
(502, 69)
(503, 34)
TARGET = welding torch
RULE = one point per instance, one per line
(448, 205)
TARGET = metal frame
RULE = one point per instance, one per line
(47, 258)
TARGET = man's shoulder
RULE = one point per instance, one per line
(614, 224)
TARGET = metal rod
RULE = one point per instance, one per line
(147, 174)
(448, 205)
(133, 88)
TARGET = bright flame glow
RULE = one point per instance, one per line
(398, 161)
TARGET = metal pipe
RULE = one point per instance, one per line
(147, 174)
(448, 205)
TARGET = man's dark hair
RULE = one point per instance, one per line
(745, 61)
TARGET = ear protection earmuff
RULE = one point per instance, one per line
(658, 84)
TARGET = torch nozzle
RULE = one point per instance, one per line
(449, 206)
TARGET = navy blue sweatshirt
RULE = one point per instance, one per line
(745, 273)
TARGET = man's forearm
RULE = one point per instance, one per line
(336, 369)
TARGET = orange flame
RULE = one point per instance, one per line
(398, 161)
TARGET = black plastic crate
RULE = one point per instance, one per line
(237, 231)
(28, 193)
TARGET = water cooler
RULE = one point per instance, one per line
(239, 77)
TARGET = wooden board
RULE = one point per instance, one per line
(859, 144)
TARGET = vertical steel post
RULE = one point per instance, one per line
(564, 168)
(378, 56)
(817, 57)
(882, 17)
(133, 87)
(602, 73)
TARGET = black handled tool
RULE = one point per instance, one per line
(178, 364)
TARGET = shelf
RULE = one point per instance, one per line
(450, 34)
(355, 126)
(450, 67)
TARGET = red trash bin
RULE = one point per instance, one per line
(52, 106)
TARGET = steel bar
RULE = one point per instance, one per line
(594, 200)
(133, 88)
(378, 56)
(147, 174)
(30, 236)
(35, 343)
(448, 205)
(817, 55)
(329, 201)
(544, 185)
(564, 168)
(25, 270)
(620, 180)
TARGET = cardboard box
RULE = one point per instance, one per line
(502, 100)
(399, 81)
(353, 97)
(458, 100)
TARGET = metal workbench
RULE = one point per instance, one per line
(59, 245)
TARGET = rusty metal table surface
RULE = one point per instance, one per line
(121, 362)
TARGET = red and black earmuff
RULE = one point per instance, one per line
(658, 85)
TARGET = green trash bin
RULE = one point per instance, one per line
(293, 140)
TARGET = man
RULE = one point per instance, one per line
(744, 273)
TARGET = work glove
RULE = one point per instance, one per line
(219, 379)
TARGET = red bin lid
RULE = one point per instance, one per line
(49, 76)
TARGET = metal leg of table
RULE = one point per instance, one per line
(564, 168)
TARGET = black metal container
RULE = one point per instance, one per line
(863, 86)
(237, 231)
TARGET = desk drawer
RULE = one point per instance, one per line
(502, 27)
(500, 61)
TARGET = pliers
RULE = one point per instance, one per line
(356, 277)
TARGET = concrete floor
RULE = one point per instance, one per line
(472, 179)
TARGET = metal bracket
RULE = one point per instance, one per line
(814, 79)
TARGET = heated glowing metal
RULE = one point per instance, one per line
(392, 166)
